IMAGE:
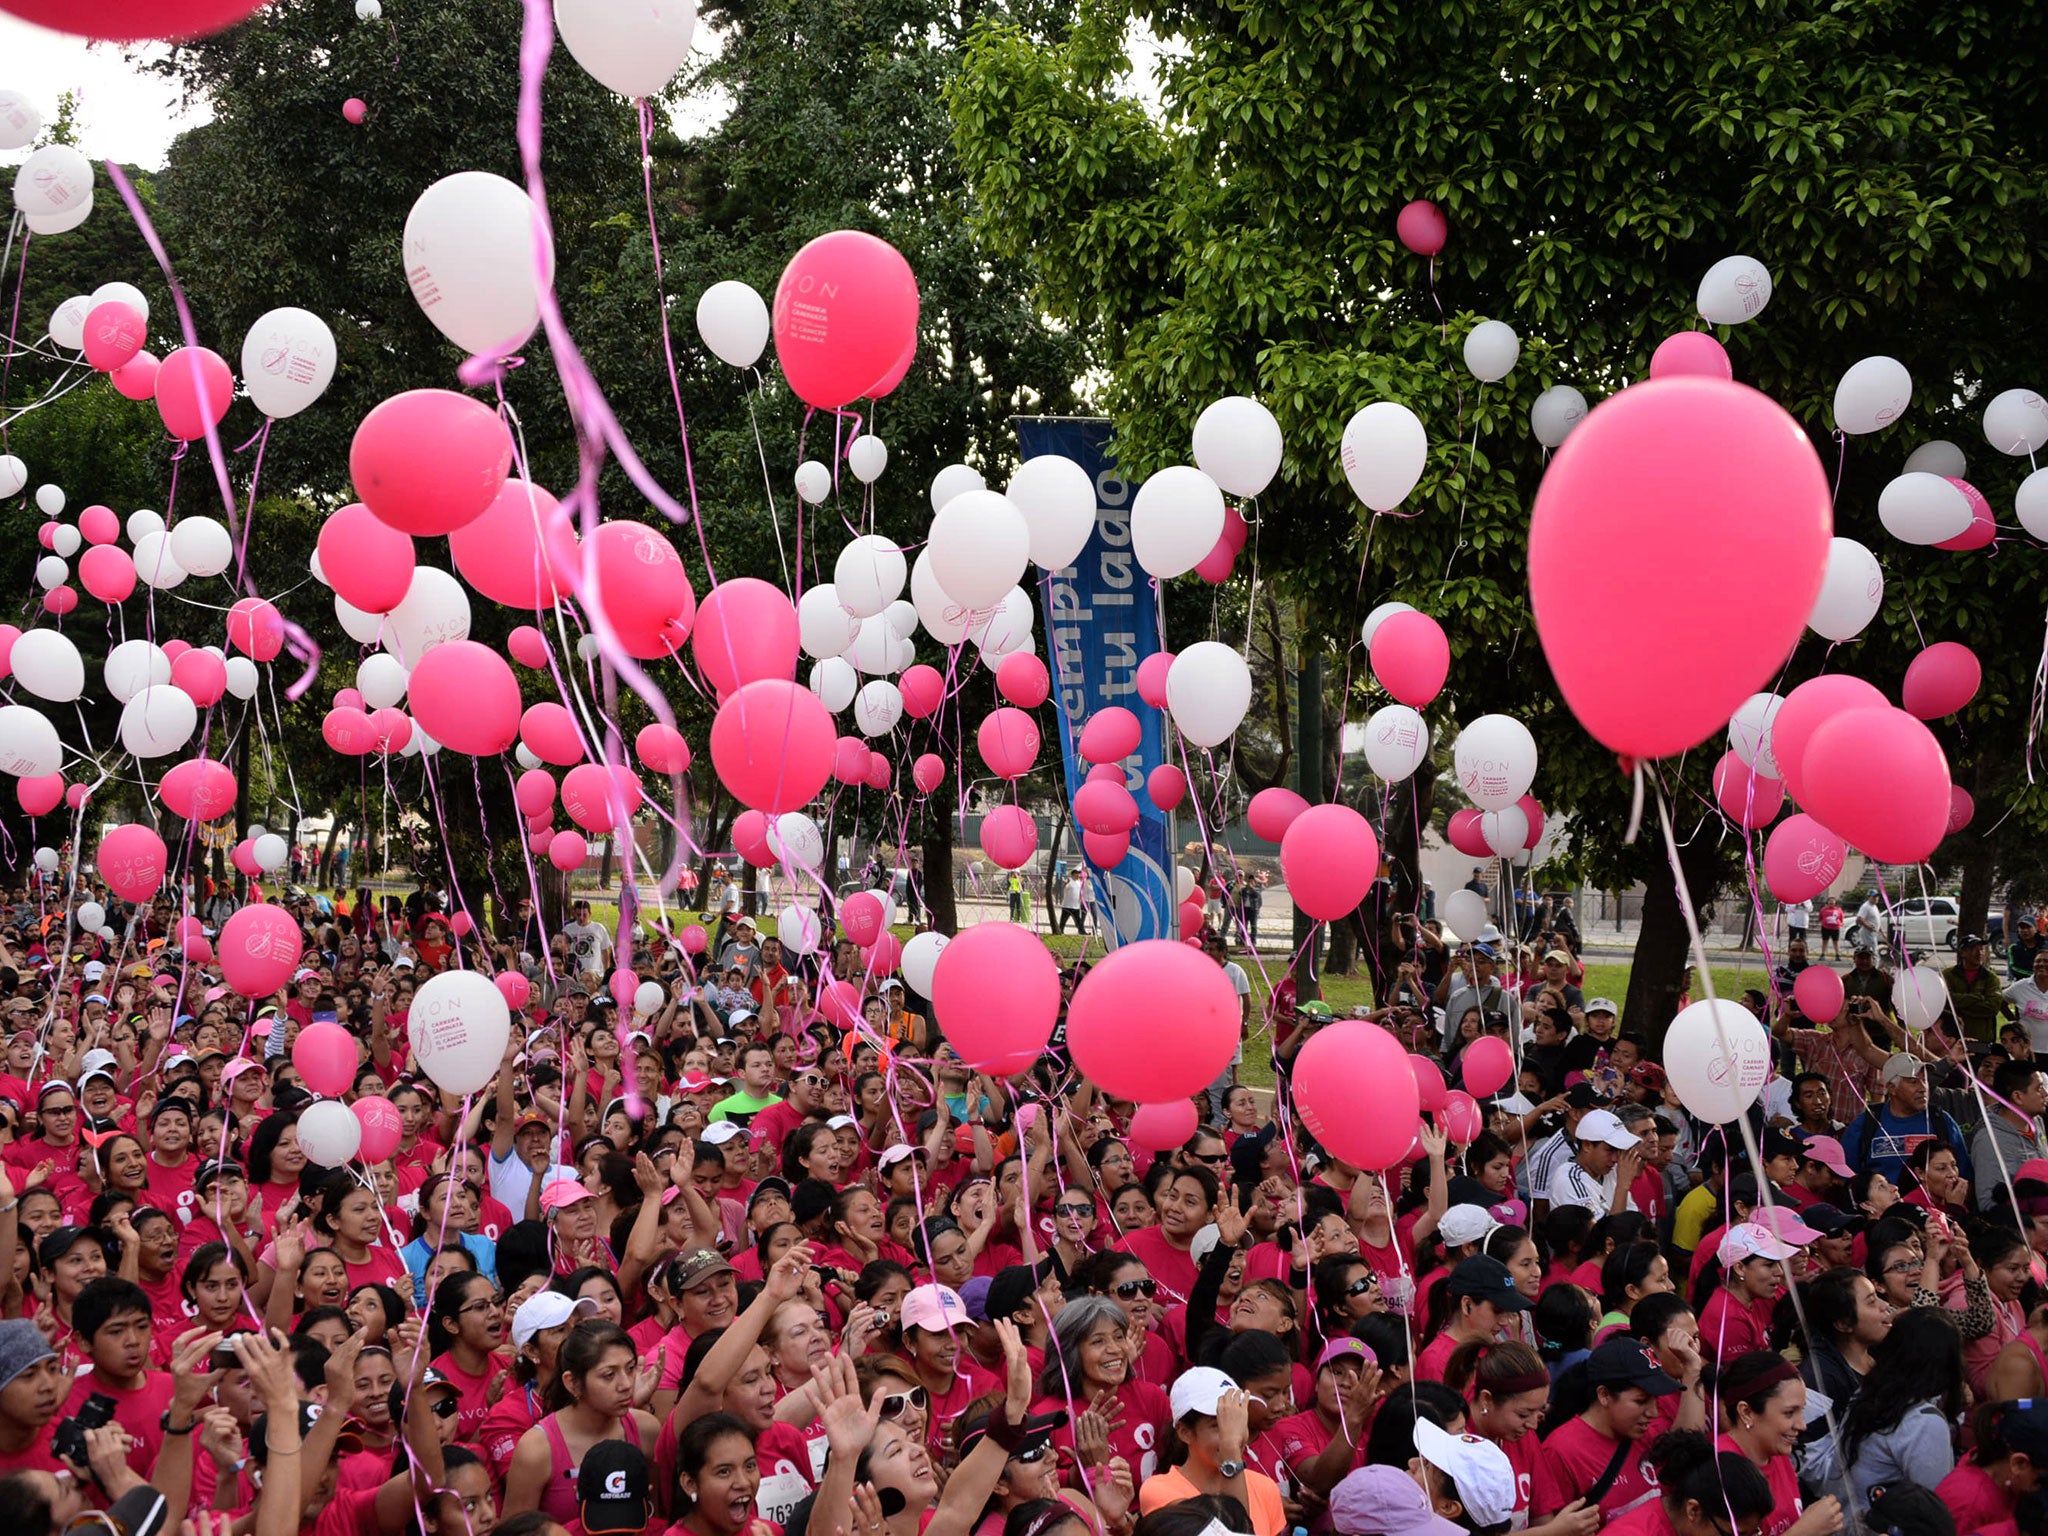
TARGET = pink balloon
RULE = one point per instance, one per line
(462, 925)
(1983, 524)
(1429, 1082)
(1534, 812)
(1106, 850)
(1879, 778)
(638, 576)
(1329, 858)
(928, 772)
(136, 379)
(60, 600)
(1102, 806)
(194, 388)
(76, 795)
(466, 698)
(1022, 679)
(1152, 678)
(8, 635)
(326, 1056)
(114, 333)
(243, 857)
(861, 916)
(1104, 773)
(750, 839)
(522, 551)
(1422, 227)
(599, 798)
(259, 949)
(1939, 681)
(1486, 1064)
(1215, 567)
(839, 1002)
(548, 731)
(1961, 807)
(1009, 836)
(135, 20)
(771, 742)
(354, 110)
(108, 573)
(256, 628)
(845, 313)
(99, 525)
(198, 789)
(1746, 797)
(746, 632)
(694, 939)
(202, 675)
(1667, 497)
(1801, 858)
(881, 772)
(46, 534)
(528, 646)
(1008, 739)
(188, 931)
(40, 795)
(173, 649)
(1818, 992)
(348, 698)
(381, 1125)
(1272, 812)
(513, 987)
(1167, 786)
(1192, 915)
(1110, 735)
(347, 729)
(1411, 657)
(368, 562)
(897, 371)
(985, 1023)
(544, 822)
(1691, 352)
(1460, 1117)
(390, 730)
(428, 461)
(850, 760)
(1164, 1127)
(1153, 1021)
(923, 690)
(1805, 707)
(661, 749)
(567, 851)
(534, 792)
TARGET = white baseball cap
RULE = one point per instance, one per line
(1480, 1470)
(719, 1132)
(1463, 1224)
(1198, 1390)
(1752, 1240)
(547, 1309)
(1601, 1126)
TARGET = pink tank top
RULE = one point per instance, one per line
(558, 1500)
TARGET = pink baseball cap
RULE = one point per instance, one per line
(934, 1308)
(563, 1192)
(1783, 1222)
(1827, 1151)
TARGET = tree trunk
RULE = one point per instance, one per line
(326, 868)
(935, 879)
(1059, 837)
(242, 811)
(1979, 862)
(1664, 947)
(1308, 773)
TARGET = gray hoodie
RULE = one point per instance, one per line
(1918, 1449)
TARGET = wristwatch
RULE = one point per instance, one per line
(165, 1425)
(1230, 1469)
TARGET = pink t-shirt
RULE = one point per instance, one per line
(1574, 1459)
(1786, 1505)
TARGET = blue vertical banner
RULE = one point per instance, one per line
(1101, 622)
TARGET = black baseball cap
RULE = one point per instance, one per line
(611, 1489)
(1832, 1220)
(1011, 1287)
(1486, 1279)
(1584, 1096)
(1627, 1362)
(214, 1169)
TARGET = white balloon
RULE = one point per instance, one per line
(255, 830)
(633, 47)
(869, 574)
(92, 917)
(1556, 411)
(1749, 732)
(1385, 450)
(1237, 444)
(313, 565)
(1491, 348)
(1397, 742)
(588, 648)
(202, 546)
(434, 611)
(142, 523)
(523, 755)
(243, 678)
(1464, 914)
(944, 619)
(458, 1025)
(1057, 498)
(795, 839)
(67, 322)
(955, 480)
(873, 650)
(363, 628)
(813, 481)
(122, 293)
(29, 745)
(1505, 831)
(329, 1133)
(2031, 503)
(822, 622)
(921, 953)
(369, 10)
(270, 852)
(1735, 289)
(647, 998)
(134, 665)
(1937, 456)
(1920, 508)
(287, 362)
(2016, 422)
(904, 653)
(51, 572)
(1007, 627)
(901, 617)
(834, 681)
(477, 256)
(158, 721)
(61, 223)
(733, 320)
(1718, 1058)
(798, 929)
(66, 540)
(48, 665)
(20, 122)
(877, 707)
(1208, 689)
(47, 860)
(13, 475)
(1184, 885)
(53, 181)
(49, 500)
(1874, 393)
(1850, 592)
(979, 546)
(867, 456)
(1495, 761)
(1919, 996)
(155, 563)
(381, 679)
(1176, 519)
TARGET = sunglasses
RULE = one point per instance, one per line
(1213, 1159)
(1073, 1210)
(1128, 1290)
(1360, 1287)
(1032, 1454)
(895, 1403)
(445, 1408)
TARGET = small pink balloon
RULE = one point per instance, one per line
(1215, 567)
(1486, 1065)
(600, 798)
(194, 388)
(1106, 850)
(881, 772)
(202, 675)
(108, 572)
(850, 760)
(114, 333)
(1961, 807)
(1164, 1127)
(1746, 797)
(1110, 735)
(845, 315)
(1104, 773)
(1941, 680)
(173, 649)
(348, 731)
(527, 646)
(928, 772)
(1691, 352)
(1429, 1082)
(1460, 1117)
(256, 628)
(567, 850)
(60, 600)
(1192, 914)
(1879, 778)
(99, 525)
(1330, 858)
(1152, 678)
(694, 939)
(1802, 858)
(1009, 837)
(884, 955)
(1008, 739)
(131, 860)
(1167, 786)
(1022, 679)
(40, 795)
(1272, 812)
(1466, 833)
(136, 379)
(1819, 993)
(348, 698)
(646, 594)
(1534, 812)
(197, 789)
(1411, 657)
(427, 461)
(1103, 806)
(661, 749)
(539, 840)
(355, 109)
(326, 1056)
(77, 795)
(46, 535)
(466, 698)
(923, 690)
(1983, 524)
(8, 635)
(1422, 227)
(514, 988)
(861, 916)
(534, 792)
(390, 730)
(750, 839)
(461, 925)
(382, 1126)
(549, 732)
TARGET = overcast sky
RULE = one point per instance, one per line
(125, 113)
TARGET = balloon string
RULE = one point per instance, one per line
(14, 321)
(262, 442)
(768, 484)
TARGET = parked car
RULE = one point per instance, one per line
(1923, 923)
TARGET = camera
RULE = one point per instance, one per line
(68, 1443)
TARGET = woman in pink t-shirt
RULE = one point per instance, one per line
(1764, 1402)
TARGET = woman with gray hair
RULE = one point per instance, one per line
(1090, 1362)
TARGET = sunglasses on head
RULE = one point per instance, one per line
(1129, 1289)
(895, 1403)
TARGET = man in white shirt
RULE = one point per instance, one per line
(1607, 1163)
(1471, 980)
(1866, 931)
(2029, 999)
(589, 942)
(1213, 947)
(1073, 904)
(1797, 916)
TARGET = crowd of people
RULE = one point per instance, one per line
(720, 1268)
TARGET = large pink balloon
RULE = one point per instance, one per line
(522, 551)
(1939, 681)
(382, 1126)
(1110, 735)
(1466, 832)
(367, 561)
(1422, 227)
(1008, 739)
(114, 333)
(1356, 1094)
(1105, 850)
(134, 21)
(548, 731)
(985, 1023)
(1022, 679)
(746, 631)
(1486, 1065)
(639, 577)
(923, 690)
(771, 742)
(861, 916)
(326, 1057)
(1818, 992)
(1746, 797)
(590, 793)
(1152, 1021)
(1009, 836)
(1164, 1127)
(464, 696)
(1666, 498)
(202, 675)
(1102, 806)
(99, 525)
(427, 461)
(1429, 1082)
(1691, 352)
(1272, 812)
(259, 949)
(347, 729)
(108, 572)
(661, 748)
(1879, 778)
(567, 851)
(1329, 858)
(1805, 707)
(1801, 858)
(845, 315)
(198, 789)
(193, 391)
(40, 795)
(1411, 656)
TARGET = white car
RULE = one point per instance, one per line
(1925, 923)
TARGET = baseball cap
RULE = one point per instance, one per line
(560, 1192)
(94, 970)
(1010, 1288)
(719, 1132)
(974, 1297)
(211, 1171)
(1785, 1224)
(1777, 1143)
(63, 1239)
(1315, 1008)
(1900, 1065)
(1385, 1501)
(2022, 1425)
(1486, 949)
(894, 1155)
(1197, 1390)
(98, 1061)
(1601, 1126)
(611, 1489)
(21, 1345)
(1827, 1151)
(1463, 1224)
(1034, 1435)
(1969, 941)
(1204, 1242)
(1627, 1362)
(2034, 1170)
(1598, 1004)
(1832, 1220)
(1561, 958)
(1484, 1477)
(1487, 1279)
(547, 1309)
(1344, 1347)
(1583, 1096)
(934, 1308)
(695, 1268)
(1748, 1240)
(1489, 935)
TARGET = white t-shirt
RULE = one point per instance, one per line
(1073, 894)
(1865, 933)
(1798, 915)
(1241, 984)
(2032, 1003)
(590, 943)
(1572, 1185)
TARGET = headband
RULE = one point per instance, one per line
(1763, 1381)
(1515, 1386)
